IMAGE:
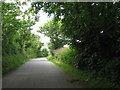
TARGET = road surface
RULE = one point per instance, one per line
(39, 73)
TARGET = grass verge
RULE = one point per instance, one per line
(82, 75)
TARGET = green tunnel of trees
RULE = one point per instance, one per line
(92, 30)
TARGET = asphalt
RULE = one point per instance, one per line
(39, 73)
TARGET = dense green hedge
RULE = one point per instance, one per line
(100, 69)
(67, 56)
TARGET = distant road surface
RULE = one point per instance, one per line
(39, 73)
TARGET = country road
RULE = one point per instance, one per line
(39, 73)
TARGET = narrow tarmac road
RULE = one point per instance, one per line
(39, 73)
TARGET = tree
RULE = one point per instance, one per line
(52, 29)
(17, 36)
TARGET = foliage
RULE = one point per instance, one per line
(52, 29)
(67, 56)
(69, 61)
(82, 76)
(16, 33)
(18, 43)
(93, 30)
